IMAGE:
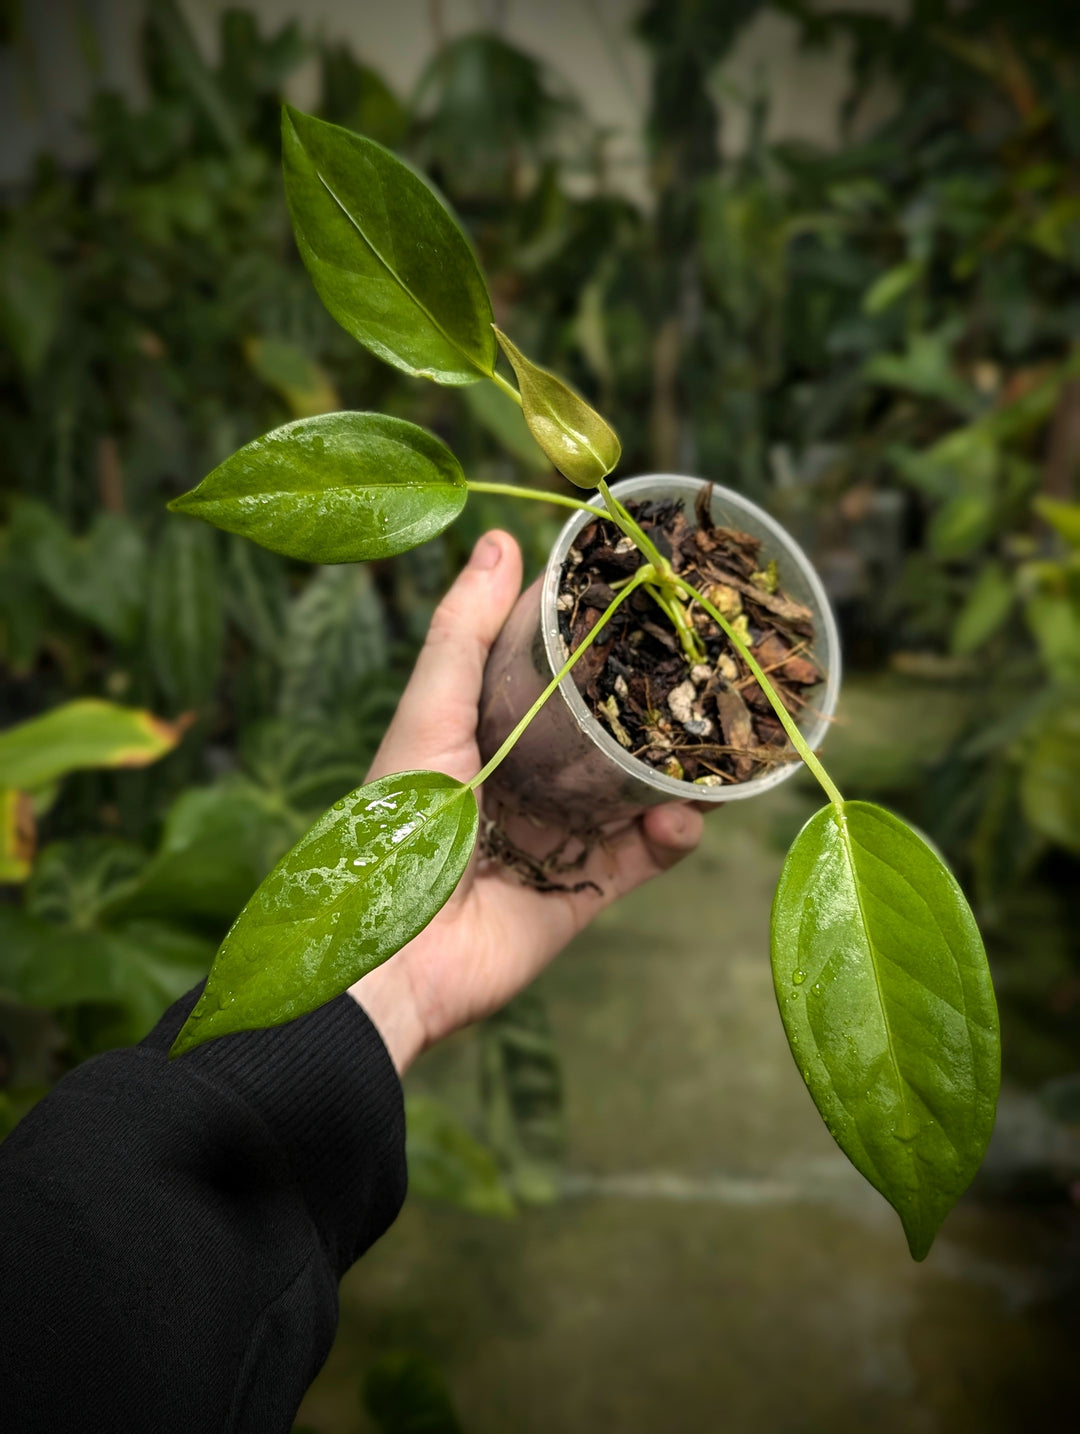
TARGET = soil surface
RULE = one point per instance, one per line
(711, 723)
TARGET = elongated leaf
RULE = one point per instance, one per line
(886, 997)
(1064, 517)
(447, 1163)
(256, 592)
(338, 488)
(386, 257)
(18, 835)
(186, 617)
(335, 642)
(367, 877)
(31, 302)
(99, 577)
(1050, 784)
(574, 436)
(987, 606)
(522, 1092)
(85, 733)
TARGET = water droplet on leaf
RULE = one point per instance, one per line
(798, 977)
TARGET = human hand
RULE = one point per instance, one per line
(494, 935)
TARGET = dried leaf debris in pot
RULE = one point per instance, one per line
(709, 724)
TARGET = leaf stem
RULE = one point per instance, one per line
(507, 388)
(644, 574)
(622, 520)
(798, 741)
(538, 495)
(667, 601)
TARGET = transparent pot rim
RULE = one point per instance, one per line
(788, 554)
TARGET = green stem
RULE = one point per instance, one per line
(538, 495)
(643, 574)
(622, 520)
(507, 388)
(798, 741)
(668, 603)
(676, 614)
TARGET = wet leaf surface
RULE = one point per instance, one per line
(886, 998)
(338, 488)
(386, 256)
(367, 877)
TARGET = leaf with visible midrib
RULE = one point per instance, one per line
(577, 440)
(386, 257)
(338, 488)
(888, 1005)
(367, 877)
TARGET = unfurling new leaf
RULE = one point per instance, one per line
(338, 488)
(367, 877)
(386, 257)
(574, 436)
(886, 997)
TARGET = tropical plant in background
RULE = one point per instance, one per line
(160, 318)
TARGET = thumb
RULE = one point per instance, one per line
(436, 718)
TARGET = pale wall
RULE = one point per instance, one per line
(44, 87)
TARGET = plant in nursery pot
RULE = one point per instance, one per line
(879, 968)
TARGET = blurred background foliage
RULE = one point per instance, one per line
(881, 342)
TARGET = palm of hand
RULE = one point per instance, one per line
(494, 935)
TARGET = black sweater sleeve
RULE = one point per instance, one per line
(172, 1232)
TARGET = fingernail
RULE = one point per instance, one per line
(486, 554)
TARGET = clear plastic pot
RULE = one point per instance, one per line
(567, 770)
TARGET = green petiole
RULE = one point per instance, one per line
(798, 741)
(644, 574)
(507, 388)
(508, 490)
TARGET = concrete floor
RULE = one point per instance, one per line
(715, 1263)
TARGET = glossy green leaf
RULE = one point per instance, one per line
(1050, 782)
(448, 1164)
(368, 876)
(338, 488)
(387, 258)
(335, 641)
(186, 621)
(886, 997)
(574, 436)
(82, 734)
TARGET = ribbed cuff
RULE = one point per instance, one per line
(326, 1088)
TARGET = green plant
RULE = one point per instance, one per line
(878, 964)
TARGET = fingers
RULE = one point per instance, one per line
(671, 832)
(436, 718)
